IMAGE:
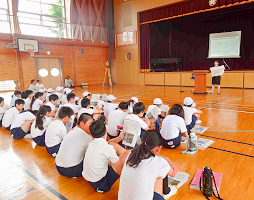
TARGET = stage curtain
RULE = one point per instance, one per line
(145, 47)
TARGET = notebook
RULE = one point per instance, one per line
(203, 143)
(132, 133)
(195, 181)
(199, 129)
(179, 179)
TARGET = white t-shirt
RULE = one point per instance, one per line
(151, 107)
(101, 104)
(89, 111)
(64, 99)
(72, 106)
(135, 118)
(2, 111)
(172, 125)
(39, 85)
(27, 104)
(138, 183)
(108, 107)
(79, 103)
(73, 147)
(51, 105)
(98, 155)
(188, 112)
(37, 104)
(34, 88)
(55, 133)
(115, 118)
(9, 116)
(47, 96)
(60, 95)
(21, 118)
(35, 132)
(13, 100)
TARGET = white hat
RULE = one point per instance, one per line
(85, 93)
(59, 88)
(50, 90)
(188, 101)
(67, 90)
(41, 90)
(77, 98)
(111, 98)
(157, 101)
(135, 99)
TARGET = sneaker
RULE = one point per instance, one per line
(173, 191)
(198, 121)
(100, 191)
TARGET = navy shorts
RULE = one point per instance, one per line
(112, 137)
(53, 150)
(176, 142)
(75, 171)
(157, 196)
(192, 124)
(1, 122)
(8, 128)
(40, 140)
(18, 133)
(107, 181)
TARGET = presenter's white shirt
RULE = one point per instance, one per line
(64, 99)
(37, 104)
(35, 132)
(2, 111)
(21, 118)
(115, 118)
(73, 147)
(51, 105)
(109, 107)
(14, 98)
(138, 183)
(27, 104)
(188, 112)
(137, 119)
(72, 106)
(98, 154)
(217, 71)
(55, 133)
(9, 117)
(89, 111)
(172, 126)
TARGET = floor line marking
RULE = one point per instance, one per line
(25, 192)
(248, 131)
(230, 110)
(231, 152)
(213, 103)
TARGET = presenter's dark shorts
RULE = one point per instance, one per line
(216, 80)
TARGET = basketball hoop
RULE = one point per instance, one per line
(31, 51)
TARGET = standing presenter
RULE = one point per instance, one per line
(217, 71)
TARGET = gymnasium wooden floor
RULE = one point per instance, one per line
(28, 172)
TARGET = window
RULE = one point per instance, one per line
(43, 72)
(7, 85)
(4, 18)
(54, 72)
(42, 17)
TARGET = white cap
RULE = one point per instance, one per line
(111, 98)
(41, 90)
(85, 93)
(188, 101)
(157, 101)
(77, 98)
(50, 90)
(67, 90)
(135, 99)
(59, 88)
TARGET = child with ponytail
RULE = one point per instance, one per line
(37, 102)
(145, 172)
(40, 125)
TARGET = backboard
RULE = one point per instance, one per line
(25, 44)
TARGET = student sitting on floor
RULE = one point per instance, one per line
(116, 118)
(110, 105)
(173, 127)
(40, 125)
(101, 103)
(29, 95)
(69, 160)
(21, 124)
(131, 103)
(37, 102)
(85, 104)
(85, 95)
(71, 103)
(191, 114)
(44, 94)
(53, 98)
(15, 96)
(59, 93)
(64, 97)
(57, 130)
(33, 86)
(11, 113)
(2, 110)
(96, 169)
(145, 172)
(49, 92)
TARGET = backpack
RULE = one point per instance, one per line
(206, 183)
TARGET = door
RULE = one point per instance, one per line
(49, 71)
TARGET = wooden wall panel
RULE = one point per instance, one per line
(154, 79)
(186, 79)
(172, 79)
(232, 80)
(249, 80)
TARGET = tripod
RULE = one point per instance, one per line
(107, 73)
